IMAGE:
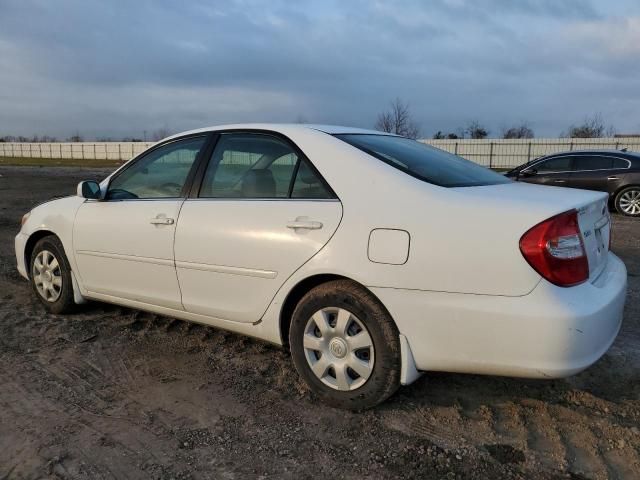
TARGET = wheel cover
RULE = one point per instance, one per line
(338, 349)
(47, 276)
(630, 202)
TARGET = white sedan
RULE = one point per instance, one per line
(371, 256)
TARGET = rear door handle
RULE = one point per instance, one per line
(612, 178)
(559, 181)
(306, 224)
(162, 221)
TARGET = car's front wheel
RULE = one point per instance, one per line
(51, 275)
(345, 345)
(628, 201)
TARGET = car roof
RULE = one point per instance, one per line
(601, 151)
(282, 127)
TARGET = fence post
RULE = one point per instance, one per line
(571, 146)
(529, 153)
(455, 149)
(617, 145)
(490, 154)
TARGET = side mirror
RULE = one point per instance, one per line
(89, 189)
(529, 173)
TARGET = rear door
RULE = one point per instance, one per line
(261, 212)
(598, 172)
(590, 172)
(554, 171)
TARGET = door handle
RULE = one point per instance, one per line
(612, 178)
(162, 221)
(306, 224)
(559, 181)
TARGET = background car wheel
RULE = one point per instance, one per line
(628, 201)
(345, 345)
(51, 275)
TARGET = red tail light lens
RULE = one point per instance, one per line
(555, 250)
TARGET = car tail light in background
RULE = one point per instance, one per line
(555, 250)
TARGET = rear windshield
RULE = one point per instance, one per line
(423, 161)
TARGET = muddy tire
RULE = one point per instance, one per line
(345, 345)
(50, 275)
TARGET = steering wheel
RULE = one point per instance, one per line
(171, 187)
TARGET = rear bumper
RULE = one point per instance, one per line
(20, 243)
(551, 332)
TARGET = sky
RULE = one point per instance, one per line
(111, 68)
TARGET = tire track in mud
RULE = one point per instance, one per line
(552, 437)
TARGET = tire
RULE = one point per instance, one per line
(50, 275)
(628, 201)
(326, 336)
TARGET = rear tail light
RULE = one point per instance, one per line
(555, 250)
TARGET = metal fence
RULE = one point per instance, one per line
(494, 153)
(500, 153)
(79, 150)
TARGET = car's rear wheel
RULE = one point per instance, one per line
(51, 275)
(345, 345)
(628, 201)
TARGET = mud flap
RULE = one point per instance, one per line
(77, 296)
(408, 372)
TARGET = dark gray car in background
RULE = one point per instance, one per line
(616, 172)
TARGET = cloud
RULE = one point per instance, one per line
(115, 68)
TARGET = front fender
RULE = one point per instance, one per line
(57, 217)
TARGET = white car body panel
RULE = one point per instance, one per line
(232, 256)
(463, 297)
(120, 253)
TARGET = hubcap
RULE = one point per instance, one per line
(47, 276)
(338, 348)
(630, 202)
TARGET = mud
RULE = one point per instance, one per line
(115, 393)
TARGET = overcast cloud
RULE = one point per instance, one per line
(117, 68)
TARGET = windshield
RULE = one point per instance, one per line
(423, 161)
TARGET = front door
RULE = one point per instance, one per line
(262, 211)
(554, 172)
(124, 244)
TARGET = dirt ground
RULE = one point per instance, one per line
(116, 393)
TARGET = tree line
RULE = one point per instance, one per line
(154, 136)
(396, 119)
(399, 120)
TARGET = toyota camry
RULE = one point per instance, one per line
(372, 257)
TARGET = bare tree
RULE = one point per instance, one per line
(523, 130)
(439, 135)
(476, 130)
(398, 120)
(76, 137)
(160, 133)
(591, 127)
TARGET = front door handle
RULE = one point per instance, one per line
(612, 178)
(559, 181)
(305, 224)
(162, 221)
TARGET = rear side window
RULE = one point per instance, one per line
(595, 162)
(308, 184)
(422, 161)
(560, 164)
(620, 163)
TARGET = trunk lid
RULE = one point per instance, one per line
(595, 226)
(527, 204)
